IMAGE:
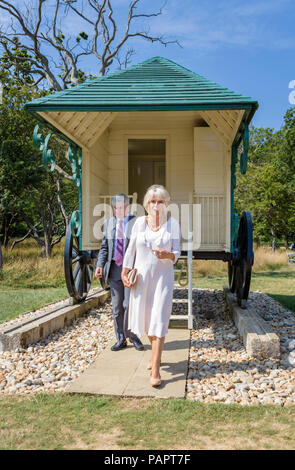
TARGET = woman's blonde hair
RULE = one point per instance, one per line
(158, 191)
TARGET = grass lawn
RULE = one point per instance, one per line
(13, 302)
(279, 284)
(83, 422)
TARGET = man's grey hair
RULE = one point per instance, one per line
(120, 197)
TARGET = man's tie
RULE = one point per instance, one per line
(120, 243)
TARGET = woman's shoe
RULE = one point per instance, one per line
(155, 382)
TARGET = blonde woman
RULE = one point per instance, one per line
(153, 249)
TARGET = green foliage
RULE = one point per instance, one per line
(82, 35)
(268, 188)
(28, 190)
(16, 73)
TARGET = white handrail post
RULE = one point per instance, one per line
(190, 262)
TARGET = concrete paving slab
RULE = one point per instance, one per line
(124, 373)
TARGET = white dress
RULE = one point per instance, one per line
(150, 302)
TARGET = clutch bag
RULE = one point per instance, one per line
(132, 276)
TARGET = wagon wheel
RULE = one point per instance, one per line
(79, 267)
(231, 271)
(245, 259)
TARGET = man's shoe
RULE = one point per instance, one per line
(137, 344)
(119, 345)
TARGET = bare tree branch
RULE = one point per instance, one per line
(28, 234)
(96, 32)
(70, 5)
(63, 173)
(57, 240)
(102, 37)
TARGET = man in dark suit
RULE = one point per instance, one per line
(116, 236)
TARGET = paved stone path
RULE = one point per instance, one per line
(124, 373)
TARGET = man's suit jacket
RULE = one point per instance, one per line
(105, 254)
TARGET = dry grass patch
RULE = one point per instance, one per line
(265, 258)
(97, 441)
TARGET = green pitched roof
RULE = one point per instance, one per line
(155, 84)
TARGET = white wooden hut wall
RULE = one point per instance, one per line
(211, 181)
(95, 181)
(200, 169)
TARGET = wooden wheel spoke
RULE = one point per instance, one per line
(75, 251)
(81, 288)
(76, 270)
(78, 267)
(79, 279)
(77, 258)
(87, 276)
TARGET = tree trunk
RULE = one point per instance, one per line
(274, 240)
(6, 230)
(6, 237)
(286, 242)
(6, 226)
(47, 248)
(1, 262)
(257, 242)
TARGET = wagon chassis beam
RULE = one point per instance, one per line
(210, 255)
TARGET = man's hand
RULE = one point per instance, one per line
(98, 272)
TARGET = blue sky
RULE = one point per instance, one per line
(247, 47)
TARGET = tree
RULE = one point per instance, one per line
(35, 35)
(28, 190)
(268, 188)
(33, 202)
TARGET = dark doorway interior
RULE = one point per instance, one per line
(146, 165)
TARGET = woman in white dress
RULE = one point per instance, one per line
(153, 249)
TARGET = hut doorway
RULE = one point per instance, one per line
(146, 165)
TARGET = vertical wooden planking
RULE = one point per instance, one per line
(218, 221)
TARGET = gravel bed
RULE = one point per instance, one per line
(47, 366)
(220, 370)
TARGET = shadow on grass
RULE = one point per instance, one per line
(274, 274)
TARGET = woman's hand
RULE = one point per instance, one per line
(164, 254)
(124, 277)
